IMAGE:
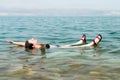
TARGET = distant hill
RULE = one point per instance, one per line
(57, 12)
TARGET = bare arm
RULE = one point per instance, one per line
(16, 43)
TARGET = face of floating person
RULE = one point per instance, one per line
(33, 41)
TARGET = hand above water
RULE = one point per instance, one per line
(10, 41)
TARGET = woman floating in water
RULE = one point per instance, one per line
(32, 43)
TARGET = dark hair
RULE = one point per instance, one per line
(47, 46)
(28, 45)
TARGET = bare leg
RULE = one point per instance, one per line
(81, 41)
(95, 42)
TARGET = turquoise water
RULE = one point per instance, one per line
(99, 63)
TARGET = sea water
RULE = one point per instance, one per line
(90, 63)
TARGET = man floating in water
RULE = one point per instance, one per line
(32, 43)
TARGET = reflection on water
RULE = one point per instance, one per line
(86, 63)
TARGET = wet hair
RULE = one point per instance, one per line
(47, 46)
(28, 45)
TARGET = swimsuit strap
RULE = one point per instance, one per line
(94, 42)
(83, 40)
(98, 38)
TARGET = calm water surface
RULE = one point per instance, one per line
(99, 63)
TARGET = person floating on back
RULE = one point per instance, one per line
(32, 43)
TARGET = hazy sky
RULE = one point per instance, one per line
(60, 4)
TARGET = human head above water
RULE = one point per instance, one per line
(28, 45)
